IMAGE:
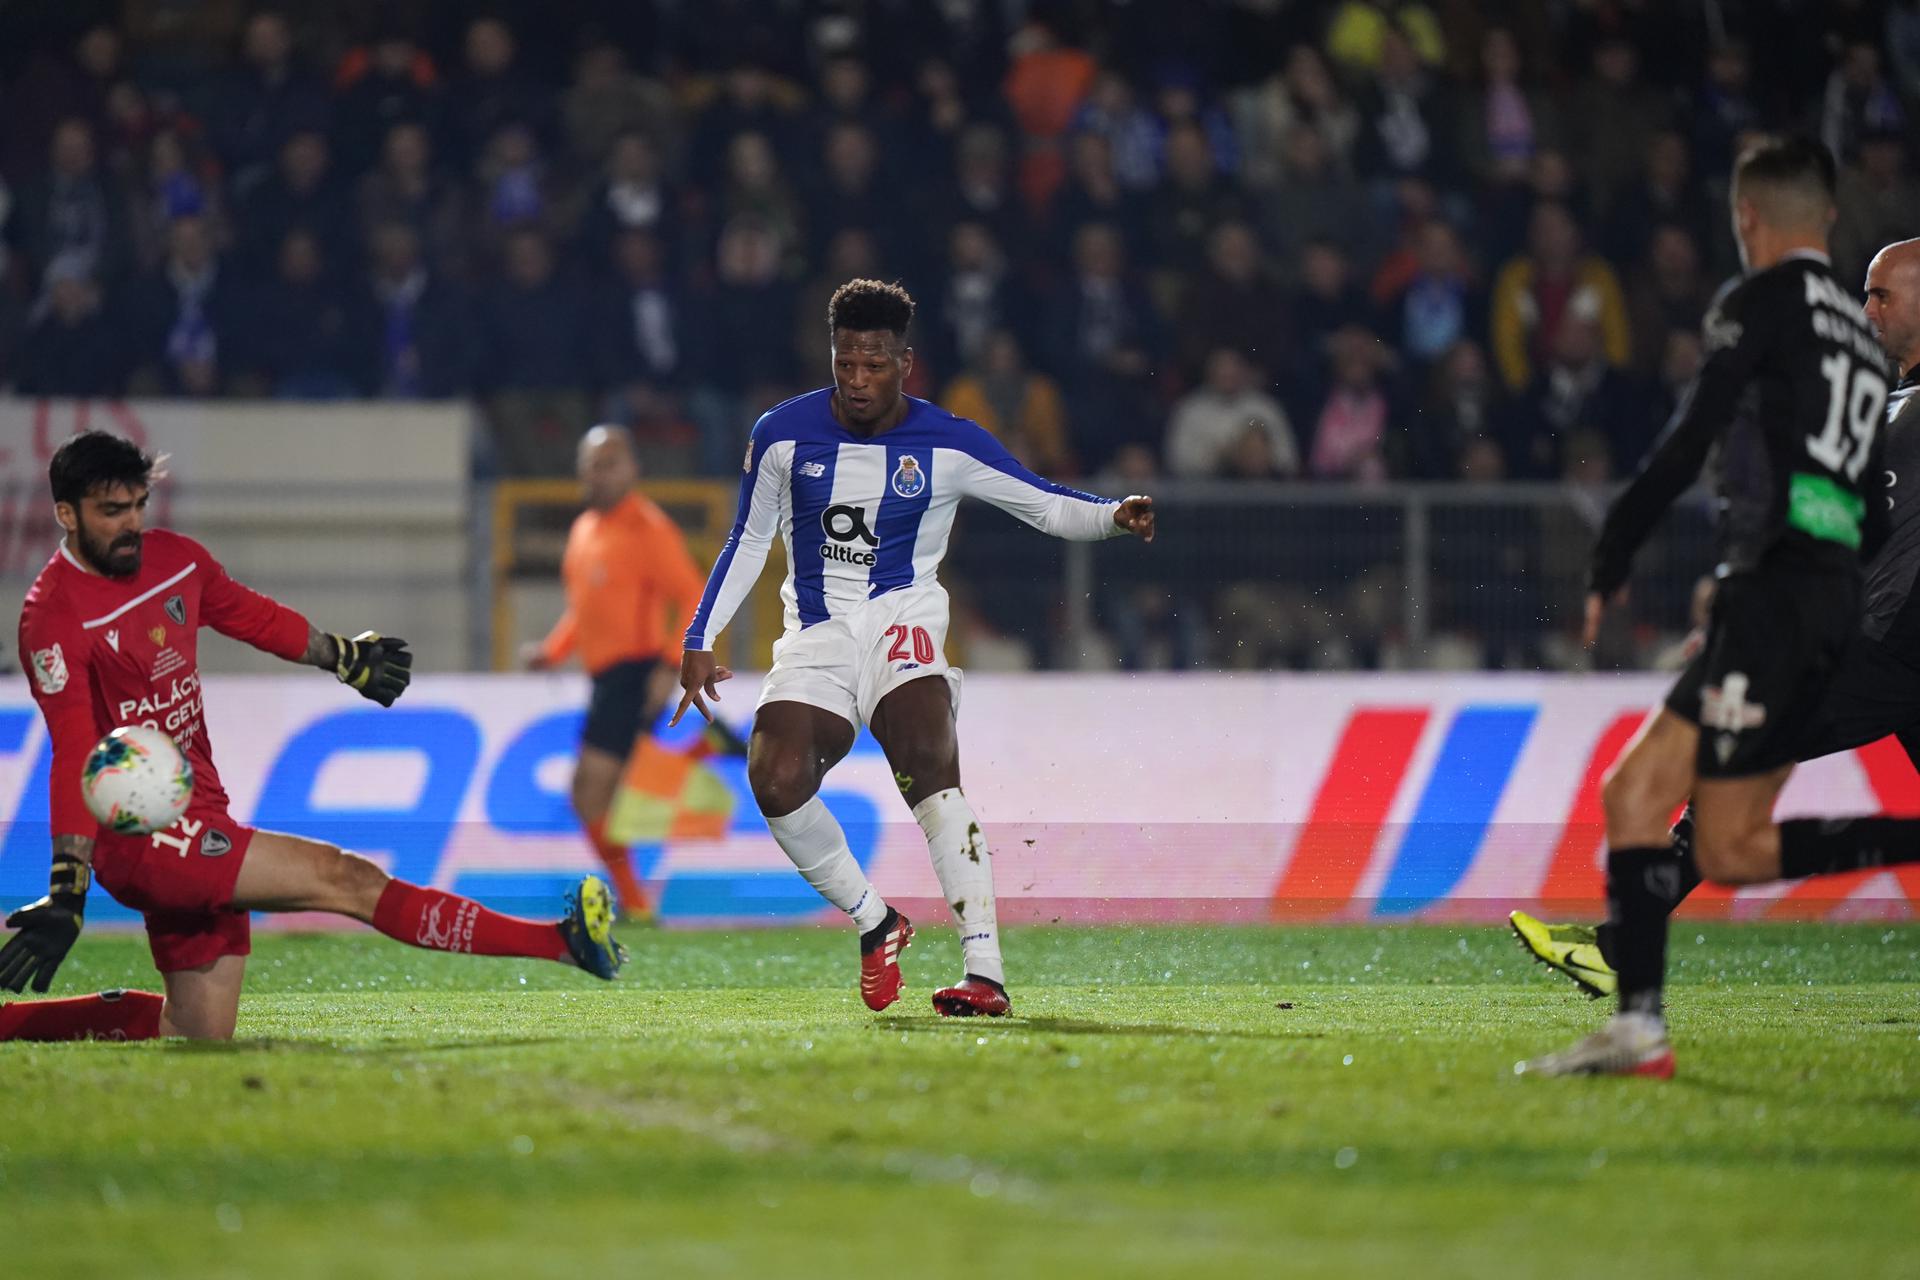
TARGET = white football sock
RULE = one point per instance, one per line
(812, 837)
(965, 869)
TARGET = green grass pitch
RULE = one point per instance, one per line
(1192, 1101)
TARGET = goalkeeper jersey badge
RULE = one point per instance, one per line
(908, 479)
(176, 608)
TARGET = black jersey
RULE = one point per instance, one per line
(1792, 391)
(1891, 612)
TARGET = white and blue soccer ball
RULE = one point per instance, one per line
(136, 781)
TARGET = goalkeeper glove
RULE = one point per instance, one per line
(47, 928)
(376, 666)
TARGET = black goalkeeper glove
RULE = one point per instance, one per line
(47, 928)
(377, 666)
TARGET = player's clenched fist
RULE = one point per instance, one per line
(700, 674)
(1135, 515)
(376, 666)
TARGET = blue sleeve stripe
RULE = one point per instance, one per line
(697, 628)
(1006, 464)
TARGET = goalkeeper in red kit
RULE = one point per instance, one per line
(109, 636)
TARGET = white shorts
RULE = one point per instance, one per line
(847, 664)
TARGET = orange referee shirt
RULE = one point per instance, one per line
(625, 571)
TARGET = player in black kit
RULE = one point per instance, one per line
(1876, 691)
(1792, 392)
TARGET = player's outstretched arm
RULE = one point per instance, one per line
(374, 666)
(1135, 515)
(700, 677)
(46, 930)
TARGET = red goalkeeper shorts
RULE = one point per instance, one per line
(181, 879)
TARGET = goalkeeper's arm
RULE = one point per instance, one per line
(374, 666)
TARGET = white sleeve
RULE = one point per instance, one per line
(992, 475)
(745, 553)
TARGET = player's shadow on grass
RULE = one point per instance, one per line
(1088, 1027)
(253, 1044)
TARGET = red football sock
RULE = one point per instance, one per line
(110, 1015)
(619, 865)
(447, 922)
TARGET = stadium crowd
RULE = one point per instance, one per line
(1331, 239)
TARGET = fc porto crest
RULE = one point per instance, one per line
(908, 478)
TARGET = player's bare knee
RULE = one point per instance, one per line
(356, 883)
(780, 783)
(1730, 857)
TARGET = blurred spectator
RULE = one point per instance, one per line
(1614, 118)
(1226, 428)
(1668, 294)
(1577, 390)
(849, 191)
(71, 348)
(422, 325)
(1328, 301)
(1022, 408)
(387, 83)
(492, 93)
(750, 101)
(1679, 365)
(1503, 121)
(408, 189)
(264, 103)
(1554, 276)
(632, 196)
(1665, 193)
(979, 190)
(1315, 201)
(1302, 93)
(643, 329)
(1455, 432)
(176, 179)
(1236, 303)
(71, 209)
(747, 346)
(534, 360)
(1179, 100)
(515, 187)
(307, 332)
(1348, 418)
(847, 98)
(1879, 202)
(301, 193)
(1132, 139)
(1361, 33)
(756, 189)
(1440, 305)
(1104, 339)
(1724, 109)
(52, 87)
(978, 294)
(1406, 129)
(1044, 87)
(1903, 45)
(188, 313)
(1194, 199)
(1859, 101)
(941, 111)
(609, 102)
(1093, 193)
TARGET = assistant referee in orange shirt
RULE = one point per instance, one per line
(631, 590)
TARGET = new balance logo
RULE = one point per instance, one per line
(813, 470)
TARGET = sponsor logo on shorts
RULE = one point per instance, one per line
(845, 526)
(215, 844)
(176, 607)
(49, 669)
(1725, 707)
(908, 478)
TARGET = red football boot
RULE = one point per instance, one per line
(880, 949)
(972, 997)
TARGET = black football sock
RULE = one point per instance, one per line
(1643, 885)
(1681, 837)
(1826, 846)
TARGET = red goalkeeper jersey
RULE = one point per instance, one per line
(102, 652)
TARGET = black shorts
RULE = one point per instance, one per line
(617, 710)
(1875, 693)
(1774, 646)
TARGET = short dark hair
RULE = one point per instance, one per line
(96, 460)
(1792, 179)
(865, 305)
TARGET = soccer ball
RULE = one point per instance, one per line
(136, 781)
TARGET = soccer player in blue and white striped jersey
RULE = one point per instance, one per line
(860, 482)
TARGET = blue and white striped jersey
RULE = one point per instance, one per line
(860, 517)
